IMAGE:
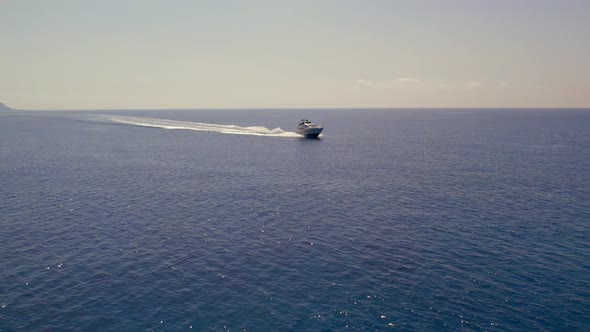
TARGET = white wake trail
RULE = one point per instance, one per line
(199, 126)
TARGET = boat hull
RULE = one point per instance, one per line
(311, 135)
(310, 132)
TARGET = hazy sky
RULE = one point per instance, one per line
(81, 54)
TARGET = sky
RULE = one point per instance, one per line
(175, 54)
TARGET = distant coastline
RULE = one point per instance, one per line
(5, 108)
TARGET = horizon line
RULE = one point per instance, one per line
(300, 108)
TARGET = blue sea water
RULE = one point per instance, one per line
(473, 220)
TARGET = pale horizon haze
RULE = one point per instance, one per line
(131, 54)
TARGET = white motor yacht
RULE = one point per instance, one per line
(308, 129)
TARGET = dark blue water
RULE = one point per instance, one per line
(402, 219)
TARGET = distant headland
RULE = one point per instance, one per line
(5, 108)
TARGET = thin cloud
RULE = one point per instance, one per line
(364, 83)
(373, 84)
(409, 80)
(472, 85)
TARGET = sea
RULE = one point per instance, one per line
(226, 220)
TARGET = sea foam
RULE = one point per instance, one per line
(199, 126)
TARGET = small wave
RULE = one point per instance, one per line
(199, 126)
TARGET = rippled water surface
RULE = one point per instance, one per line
(400, 219)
